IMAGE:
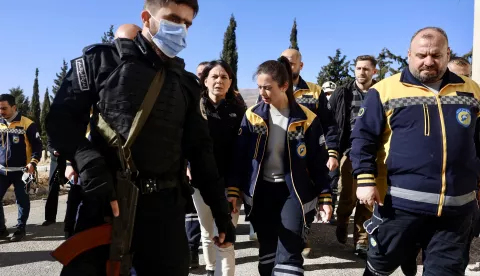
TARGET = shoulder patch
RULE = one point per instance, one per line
(82, 74)
(361, 111)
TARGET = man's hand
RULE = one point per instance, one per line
(69, 172)
(30, 168)
(55, 153)
(233, 201)
(369, 195)
(332, 163)
(220, 241)
(115, 209)
(324, 213)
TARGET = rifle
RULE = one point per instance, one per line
(119, 231)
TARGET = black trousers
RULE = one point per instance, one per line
(395, 236)
(159, 244)
(75, 196)
(277, 217)
(57, 166)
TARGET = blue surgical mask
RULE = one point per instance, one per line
(170, 38)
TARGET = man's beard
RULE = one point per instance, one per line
(427, 78)
(295, 75)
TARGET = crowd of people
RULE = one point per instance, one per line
(403, 153)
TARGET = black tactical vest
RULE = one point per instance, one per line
(157, 150)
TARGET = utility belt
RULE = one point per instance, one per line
(151, 185)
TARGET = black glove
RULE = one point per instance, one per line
(226, 226)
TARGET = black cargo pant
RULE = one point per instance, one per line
(474, 233)
(278, 220)
(395, 236)
(75, 197)
(57, 166)
(159, 242)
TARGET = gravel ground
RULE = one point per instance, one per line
(31, 256)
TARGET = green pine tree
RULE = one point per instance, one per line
(229, 52)
(58, 81)
(45, 110)
(293, 36)
(108, 36)
(384, 64)
(401, 61)
(35, 105)
(337, 70)
(20, 100)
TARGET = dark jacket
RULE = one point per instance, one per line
(340, 104)
(312, 96)
(21, 143)
(113, 79)
(224, 122)
(429, 139)
(305, 157)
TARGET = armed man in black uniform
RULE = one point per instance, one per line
(114, 79)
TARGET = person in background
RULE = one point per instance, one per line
(224, 112)
(345, 103)
(21, 148)
(460, 66)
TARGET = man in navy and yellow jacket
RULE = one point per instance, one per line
(424, 119)
(21, 147)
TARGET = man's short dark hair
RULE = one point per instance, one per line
(203, 63)
(366, 57)
(460, 61)
(153, 5)
(8, 98)
(429, 36)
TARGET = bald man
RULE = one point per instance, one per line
(311, 95)
(432, 180)
(460, 66)
(127, 31)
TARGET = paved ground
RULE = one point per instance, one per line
(31, 256)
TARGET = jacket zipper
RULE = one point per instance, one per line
(293, 182)
(444, 156)
(427, 119)
(259, 166)
(256, 146)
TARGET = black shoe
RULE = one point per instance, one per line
(341, 232)
(210, 273)
(361, 250)
(194, 260)
(48, 222)
(4, 232)
(18, 235)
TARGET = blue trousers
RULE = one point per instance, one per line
(21, 195)
(278, 220)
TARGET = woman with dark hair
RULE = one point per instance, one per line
(224, 112)
(279, 166)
